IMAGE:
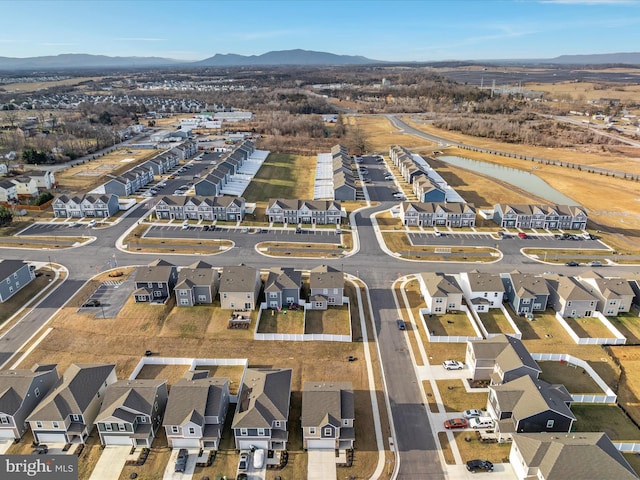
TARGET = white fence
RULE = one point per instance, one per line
(302, 337)
(609, 395)
(617, 339)
(192, 364)
(451, 339)
(627, 447)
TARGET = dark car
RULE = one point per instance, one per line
(572, 264)
(242, 476)
(205, 228)
(479, 466)
(401, 324)
(91, 303)
(181, 461)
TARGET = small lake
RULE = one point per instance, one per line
(519, 178)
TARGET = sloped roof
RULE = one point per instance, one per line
(283, 278)
(126, 398)
(238, 278)
(485, 282)
(15, 384)
(327, 403)
(440, 284)
(527, 285)
(194, 398)
(508, 350)
(265, 397)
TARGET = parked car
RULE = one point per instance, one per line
(522, 235)
(244, 461)
(185, 226)
(258, 458)
(472, 413)
(595, 263)
(401, 324)
(572, 264)
(92, 223)
(92, 302)
(479, 466)
(242, 476)
(481, 422)
(181, 460)
(453, 365)
(455, 423)
(205, 228)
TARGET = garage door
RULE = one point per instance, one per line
(185, 443)
(6, 433)
(52, 438)
(321, 444)
(247, 444)
(117, 440)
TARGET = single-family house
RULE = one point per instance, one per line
(482, 290)
(528, 405)
(239, 287)
(8, 191)
(26, 186)
(155, 282)
(20, 393)
(326, 287)
(569, 297)
(575, 456)
(68, 412)
(500, 359)
(262, 412)
(196, 411)
(328, 413)
(282, 287)
(14, 275)
(525, 292)
(441, 292)
(131, 412)
(45, 179)
(197, 284)
(615, 294)
(211, 185)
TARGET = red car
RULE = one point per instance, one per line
(456, 423)
(522, 235)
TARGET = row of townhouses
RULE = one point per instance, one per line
(551, 217)
(200, 208)
(130, 412)
(344, 183)
(237, 287)
(227, 166)
(434, 214)
(99, 206)
(315, 212)
(580, 296)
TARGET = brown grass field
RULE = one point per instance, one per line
(474, 448)
(589, 327)
(446, 448)
(456, 399)
(33, 86)
(283, 176)
(285, 321)
(609, 419)
(452, 324)
(574, 379)
(495, 321)
(333, 321)
(588, 90)
(138, 327)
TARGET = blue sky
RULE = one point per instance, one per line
(415, 30)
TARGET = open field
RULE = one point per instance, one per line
(333, 321)
(575, 379)
(380, 134)
(33, 86)
(451, 324)
(629, 384)
(587, 90)
(609, 419)
(307, 250)
(283, 176)
(495, 321)
(456, 399)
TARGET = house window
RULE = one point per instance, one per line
(244, 432)
(345, 422)
(107, 427)
(438, 300)
(38, 424)
(276, 423)
(4, 420)
(261, 432)
(192, 431)
(325, 291)
(485, 294)
(56, 425)
(76, 418)
(122, 427)
(36, 392)
(157, 293)
(568, 304)
(335, 291)
(142, 419)
(202, 298)
(438, 310)
(184, 301)
(317, 304)
(150, 284)
(224, 295)
(495, 294)
(10, 288)
(327, 432)
(273, 295)
(312, 430)
(175, 429)
(17, 284)
(183, 292)
(550, 423)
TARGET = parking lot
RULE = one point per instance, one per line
(69, 228)
(110, 297)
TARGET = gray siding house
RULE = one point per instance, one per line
(327, 287)
(196, 411)
(569, 298)
(131, 412)
(615, 295)
(239, 287)
(552, 217)
(328, 414)
(525, 292)
(197, 284)
(155, 282)
(282, 287)
(315, 212)
(68, 412)
(441, 292)
(20, 393)
(438, 214)
(14, 275)
(262, 412)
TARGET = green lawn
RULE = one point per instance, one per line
(609, 419)
(282, 176)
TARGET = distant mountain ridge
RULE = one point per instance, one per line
(282, 57)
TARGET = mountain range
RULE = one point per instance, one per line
(283, 57)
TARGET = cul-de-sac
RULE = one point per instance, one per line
(306, 266)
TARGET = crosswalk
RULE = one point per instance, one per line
(112, 283)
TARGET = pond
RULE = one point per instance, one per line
(519, 178)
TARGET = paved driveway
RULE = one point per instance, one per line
(321, 465)
(110, 463)
(4, 446)
(170, 474)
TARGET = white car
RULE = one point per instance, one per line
(481, 422)
(258, 458)
(453, 365)
(185, 226)
(473, 413)
(92, 223)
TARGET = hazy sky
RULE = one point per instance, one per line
(415, 30)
